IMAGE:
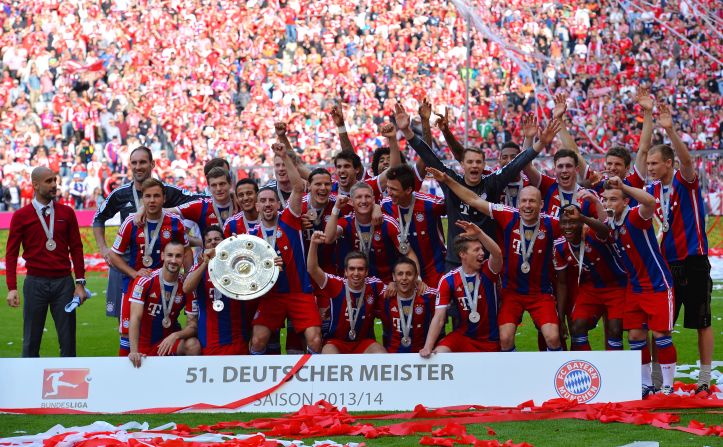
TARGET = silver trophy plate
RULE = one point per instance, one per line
(243, 268)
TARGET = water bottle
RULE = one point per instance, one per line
(70, 307)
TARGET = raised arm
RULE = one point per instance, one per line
(646, 201)
(389, 131)
(331, 230)
(425, 112)
(454, 146)
(529, 129)
(193, 279)
(422, 149)
(573, 213)
(568, 141)
(665, 119)
(646, 137)
(281, 129)
(312, 259)
(473, 231)
(465, 194)
(546, 137)
(337, 118)
(297, 183)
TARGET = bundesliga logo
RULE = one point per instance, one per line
(66, 383)
(577, 380)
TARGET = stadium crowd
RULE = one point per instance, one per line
(83, 83)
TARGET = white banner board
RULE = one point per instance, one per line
(379, 382)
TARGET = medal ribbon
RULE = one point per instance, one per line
(167, 300)
(580, 257)
(665, 192)
(404, 320)
(353, 311)
(525, 249)
(221, 220)
(471, 300)
(136, 200)
(404, 227)
(364, 247)
(151, 239)
(49, 231)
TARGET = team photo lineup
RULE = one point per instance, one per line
(336, 134)
(576, 251)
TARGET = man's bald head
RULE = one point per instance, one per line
(531, 191)
(44, 183)
(40, 173)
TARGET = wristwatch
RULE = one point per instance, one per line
(80, 282)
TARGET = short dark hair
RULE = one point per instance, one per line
(406, 260)
(461, 243)
(144, 149)
(210, 229)
(665, 150)
(355, 255)
(562, 153)
(512, 145)
(172, 243)
(620, 152)
(350, 157)
(403, 174)
(317, 171)
(217, 172)
(377, 157)
(152, 182)
(247, 181)
(269, 188)
(214, 163)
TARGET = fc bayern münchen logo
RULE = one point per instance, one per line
(577, 380)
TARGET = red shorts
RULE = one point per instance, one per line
(654, 309)
(351, 347)
(241, 348)
(457, 342)
(541, 308)
(593, 303)
(153, 349)
(123, 352)
(299, 307)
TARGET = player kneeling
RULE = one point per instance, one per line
(473, 287)
(351, 302)
(156, 302)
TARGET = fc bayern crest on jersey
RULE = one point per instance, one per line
(419, 310)
(420, 217)
(578, 380)
(166, 234)
(370, 299)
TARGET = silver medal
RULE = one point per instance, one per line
(352, 334)
(406, 342)
(218, 305)
(474, 317)
(666, 227)
(50, 245)
(147, 261)
(525, 267)
(166, 322)
(404, 247)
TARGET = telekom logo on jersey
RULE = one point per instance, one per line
(67, 383)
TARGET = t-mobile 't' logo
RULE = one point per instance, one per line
(66, 383)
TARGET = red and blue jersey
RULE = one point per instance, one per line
(327, 252)
(426, 235)
(290, 246)
(230, 326)
(238, 224)
(552, 197)
(601, 267)
(539, 278)
(422, 309)
(131, 239)
(686, 218)
(334, 289)
(149, 292)
(636, 245)
(201, 211)
(451, 290)
(384, 250)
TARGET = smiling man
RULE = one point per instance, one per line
(242, 222)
